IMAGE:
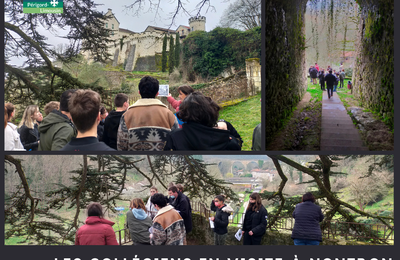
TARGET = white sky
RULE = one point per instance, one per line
(138, 24)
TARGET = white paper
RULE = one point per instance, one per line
(211, 223)
(238, 234)
(163, 91)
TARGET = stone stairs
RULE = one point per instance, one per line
(338, 132)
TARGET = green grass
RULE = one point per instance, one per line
(242, 209)
(345, 93)
(315, 91)
(244, 116)
(14, 241)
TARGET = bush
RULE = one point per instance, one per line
(213, 52)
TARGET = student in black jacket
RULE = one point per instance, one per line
(28, 131)
(321, 77)
(307, 216)
(221, 219)
(181, 204)
(330, 80)
(84, 106)
(111, 123)
(255, 221)
(200, 130)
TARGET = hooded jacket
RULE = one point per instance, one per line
(111, 125)
(96, 231)
(256, 221)
(221, 219)
(145, 126)
(56, 130)
(307, 216)
(195, 136)
(168, 227)
(138, 223)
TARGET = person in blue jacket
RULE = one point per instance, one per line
(255, 221)
(307, 216)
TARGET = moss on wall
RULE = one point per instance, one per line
(285, 81)
(373, 74)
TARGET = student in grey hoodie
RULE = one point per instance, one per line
(138, 222)
(221, 219)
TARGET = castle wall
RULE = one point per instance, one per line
(146, 44)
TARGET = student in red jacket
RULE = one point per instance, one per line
(97, 230)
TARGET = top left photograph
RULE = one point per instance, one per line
(132, 75)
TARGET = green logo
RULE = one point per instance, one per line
(43, 6)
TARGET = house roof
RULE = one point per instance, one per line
(109, 10)
(349, 54)
(187, 27)
(125, 30)
(160, 29)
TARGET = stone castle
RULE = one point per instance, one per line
(139, 51)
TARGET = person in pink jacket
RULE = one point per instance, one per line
(184, 91)
(97, 230)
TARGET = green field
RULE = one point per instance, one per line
(244, 116)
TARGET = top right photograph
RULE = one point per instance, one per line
(329, 75)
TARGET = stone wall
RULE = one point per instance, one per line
(222, 90)
(373, 75)
(285, 71)
(115, 78)
(147, 63)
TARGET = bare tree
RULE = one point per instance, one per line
(137, 7)
(242, 14)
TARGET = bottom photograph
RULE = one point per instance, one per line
(199, 200)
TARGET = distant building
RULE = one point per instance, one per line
(138, 51)
(263, 174)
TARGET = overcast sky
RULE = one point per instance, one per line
(139, 23)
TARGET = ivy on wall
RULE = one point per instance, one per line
(210, 53)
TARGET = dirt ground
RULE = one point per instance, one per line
(303, 130)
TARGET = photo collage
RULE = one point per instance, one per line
(210, 125)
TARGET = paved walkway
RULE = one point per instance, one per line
(338, 132)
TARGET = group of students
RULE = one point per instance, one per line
(81, 123)
(330, 77)
(167, 220)
(164, 220)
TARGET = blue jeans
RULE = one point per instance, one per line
(334, 88)
(305, 242)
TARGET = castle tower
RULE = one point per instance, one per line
(197, 23)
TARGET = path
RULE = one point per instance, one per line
(338, 132)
